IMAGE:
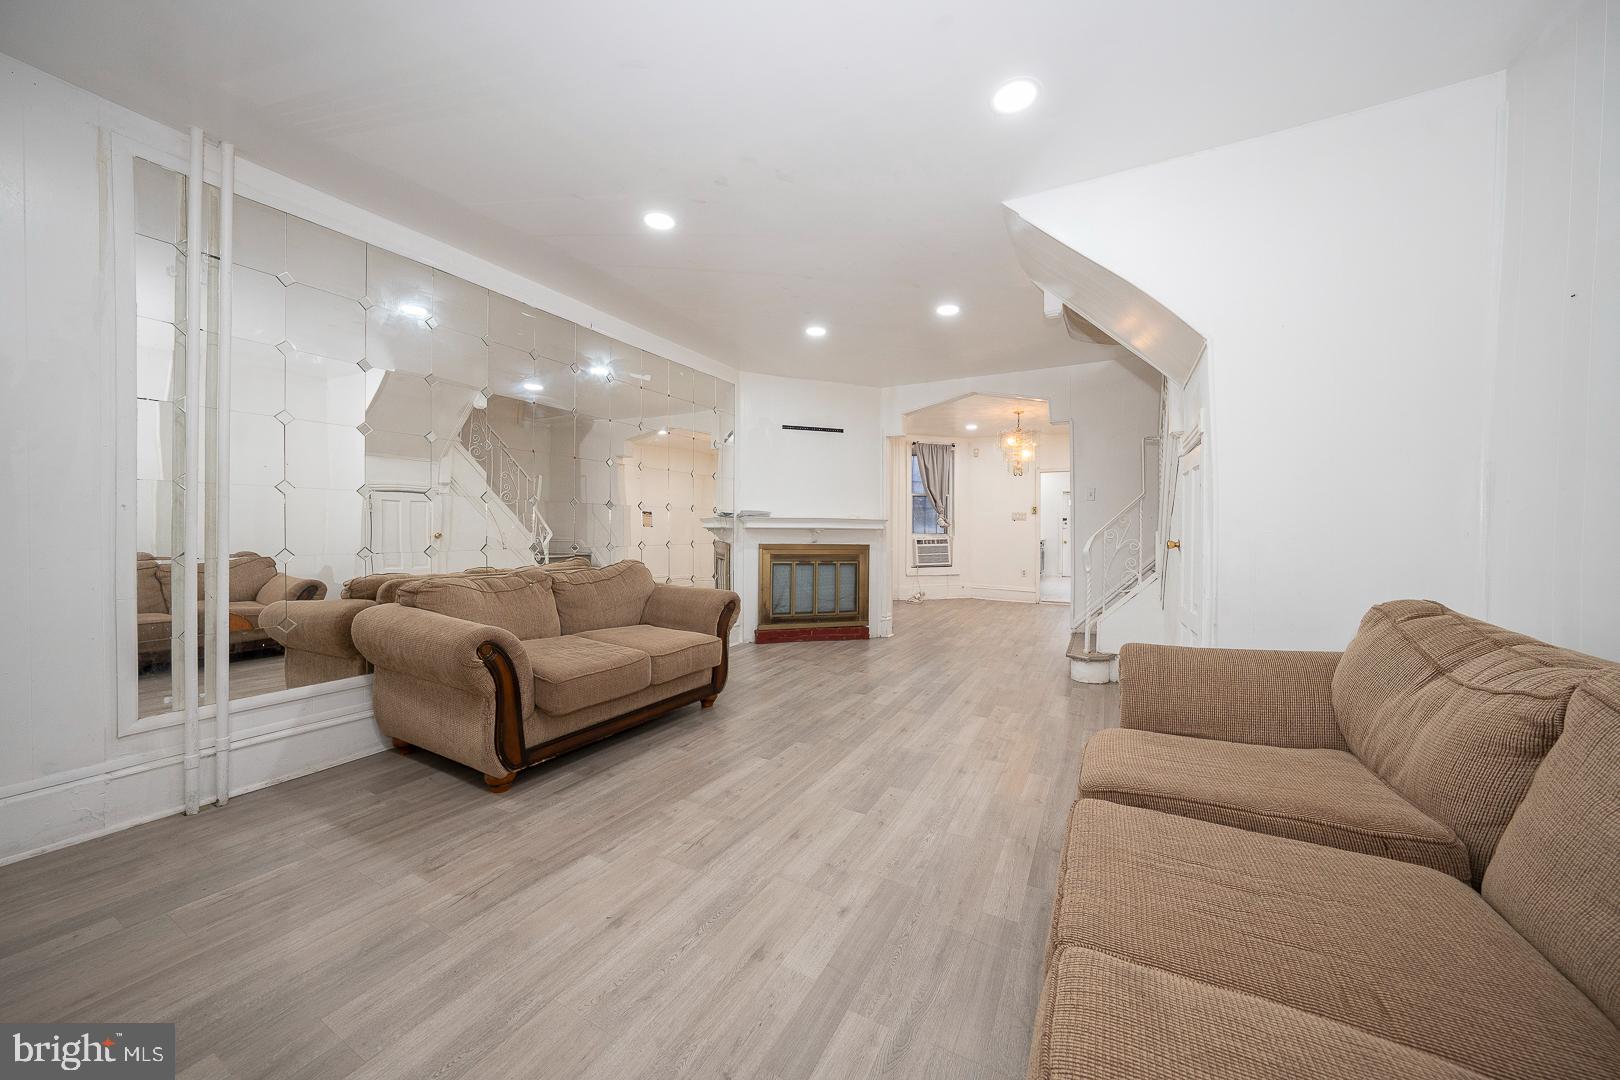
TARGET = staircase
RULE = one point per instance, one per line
(514, 489)
(1118, 563)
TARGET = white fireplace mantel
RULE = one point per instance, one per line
(798, 524)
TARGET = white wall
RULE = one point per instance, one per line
(66, 770)
(810, 473)
(1345, 275)
(1554, 435)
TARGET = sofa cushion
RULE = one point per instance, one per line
(674, 652)
(1391, 949)
(1453, 713)
(606, 596)
(1317, 795)
(1322, 796)
(249, 574)
(1103, 1017)
(516, 601)
(152, 627)
(1556, 874)
(574, 672)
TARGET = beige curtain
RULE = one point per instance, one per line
(936, 461)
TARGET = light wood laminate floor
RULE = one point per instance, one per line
(844, 869)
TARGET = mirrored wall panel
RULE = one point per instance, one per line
(388, 417)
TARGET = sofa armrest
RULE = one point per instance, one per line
(1279, 698)
(283, 587)
(317, 626)
(686, 607)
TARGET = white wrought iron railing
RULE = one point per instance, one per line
(511, 483)
(1122, 553)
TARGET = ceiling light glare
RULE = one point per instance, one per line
(601, 369)
(657, 219)
(533, 387)
(414, 311)
(663, 431)
(1015, 95)
(971, 427)
(949, 311)
(815, 330)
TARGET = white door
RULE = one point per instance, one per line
(1185, 562)
(401, 531)
(1057, 511)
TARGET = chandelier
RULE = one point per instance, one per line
(1018, 445)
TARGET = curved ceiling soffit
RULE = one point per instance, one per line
(1101, 306)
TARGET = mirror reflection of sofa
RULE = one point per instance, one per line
(316, 634)
(255, 584)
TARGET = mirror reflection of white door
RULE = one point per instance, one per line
(1186, 562)
(1057, 510)
(401, 531)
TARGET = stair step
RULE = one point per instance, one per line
(1078, 650)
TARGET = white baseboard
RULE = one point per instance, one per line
(79, 804)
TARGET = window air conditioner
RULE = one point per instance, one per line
(930, 551)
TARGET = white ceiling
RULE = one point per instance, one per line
(991, 412)
(827, 161)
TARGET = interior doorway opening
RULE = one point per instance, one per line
(1056, 536)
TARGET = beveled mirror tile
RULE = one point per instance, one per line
(160, 197)
(395, 282)
(325, 455)
(657, 559)
(557, 382)
(345, 525)
(452, 405)
(159, 440)
(595, 481)
(258, 306)
(592, 349)
(306, 520)
(259, 239)
(325, 259)
(592, 396)
(725, 396)
(320, 388)
(258, 378)
(654, 484)
(553, 337)
(460, 305)
(624, 400)
(680, 382)
(468, 526)
(160, 361)
(509, 369)
(160, 281)
(683, 528)
(510, 323)
(681, 493)
(258, 518)
(703, 483)
(680, 562)
(460, 358)
(403, 403)
(396, 342)
(319, 322)
(703, 390)
(397, 460)
(258, 449)
(680, 451)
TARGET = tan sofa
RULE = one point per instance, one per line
(255, 584)
(317, 635)
(1400, 861)
(501, 671)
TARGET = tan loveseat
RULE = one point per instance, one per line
(255, 584)
(1401, 861)
(501, 671)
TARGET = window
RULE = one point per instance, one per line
(924, 519)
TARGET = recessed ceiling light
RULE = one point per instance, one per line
(659, 220)
(601, 369)
(1015, 95)
(415, 311)
(948, 310)
(533, 387)
(815, 330)
(663, 431)
(971, 427)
